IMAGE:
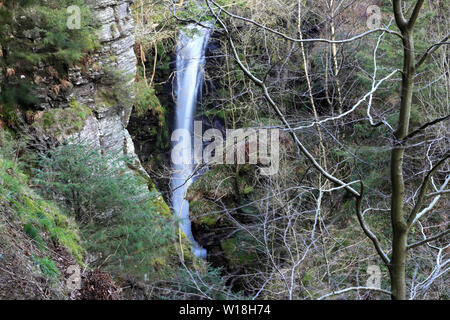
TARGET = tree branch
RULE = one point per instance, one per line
(419, 243)
(414, 216)
(432, 49)
(272, 103)
(286, 37)
(335, 293)
(423, 127)
(398, 14)
(367, 231)
(415, 14)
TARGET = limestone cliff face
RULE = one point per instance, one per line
(107, 127)
(102, 83)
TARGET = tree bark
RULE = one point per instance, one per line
(399, 225)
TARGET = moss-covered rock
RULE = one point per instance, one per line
(218, 182)
(40, 218)
(60, 123)
(201, 212)
(237, 253)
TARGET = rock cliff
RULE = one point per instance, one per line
(102, 82)
(106, 128)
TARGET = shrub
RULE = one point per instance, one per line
(34, 33)
(47, 267)
(46, 21)
(90, 183)
(121, 218)
(33, 233)
(38, 216)
(146, 100)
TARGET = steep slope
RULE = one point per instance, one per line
(37, 241)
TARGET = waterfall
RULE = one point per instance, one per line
(189, 77)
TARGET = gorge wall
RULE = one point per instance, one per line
(95, 84)
(91, 101)
(106, 128)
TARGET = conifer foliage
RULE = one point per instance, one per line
(33, 35)
(120, 217)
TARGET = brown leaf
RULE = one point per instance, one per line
(52, 72)
(56, 89)
(10, 72)
(38, 115)
(65, 85)
(29, 117)
(96, 67)
(38, 79)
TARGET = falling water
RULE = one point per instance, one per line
(190, 62)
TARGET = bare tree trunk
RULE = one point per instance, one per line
(399, 226)
(334, 57)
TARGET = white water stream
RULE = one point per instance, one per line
(189, 77)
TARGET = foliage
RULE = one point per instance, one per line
(63, 122)
(116, 90)
(91, 183)
(47, 267)
(147, 101)
(123, 221)
(47, 21)
(237, 250)
(207, 281)
(34, 33)
(309, 236)
(38, 216)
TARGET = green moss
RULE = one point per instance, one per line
(230, 247)
(236, 251)
(222, 114)
(62, 122)
(117, 88)
(248, 190)
(208, 220)
(216, 183)
(161, 206)
(158, 202)
(182, 247)
(200, 212)
(182, 243)
(33, 233)
(49, 219)
(37, 215)
(147, 101)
